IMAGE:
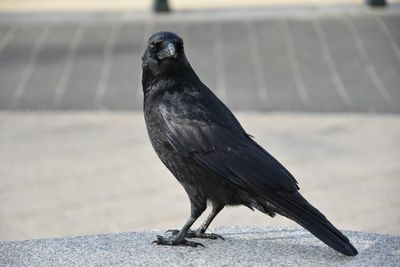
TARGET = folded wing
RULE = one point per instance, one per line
(222, 146)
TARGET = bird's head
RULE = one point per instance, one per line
(164, 55)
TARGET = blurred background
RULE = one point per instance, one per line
(316, 82)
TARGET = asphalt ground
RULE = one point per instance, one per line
(299, 59)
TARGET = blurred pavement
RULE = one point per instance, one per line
(301, 59)
(145, 5)
(83, 173)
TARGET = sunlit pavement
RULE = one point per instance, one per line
(78, 173)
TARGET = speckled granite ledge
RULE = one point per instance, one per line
(244, 246)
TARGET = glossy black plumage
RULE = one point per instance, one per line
(201, 142)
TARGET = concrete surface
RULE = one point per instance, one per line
(243, 246)
(287, 59)
(76, 173)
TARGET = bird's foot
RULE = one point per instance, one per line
(197, 234)
(174, 241)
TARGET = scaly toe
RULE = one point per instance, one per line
(172, 231)
(192, 244)
(160, 240)
(214, 236)
(173, 241)
(197, 234)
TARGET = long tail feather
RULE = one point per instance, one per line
(298, 209)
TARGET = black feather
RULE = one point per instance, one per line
(212, 156)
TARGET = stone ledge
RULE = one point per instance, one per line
(244, 246)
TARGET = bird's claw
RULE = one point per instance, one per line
(209, 236)
(196, 234)
(193, 244)
(176, 242)
(172, 231)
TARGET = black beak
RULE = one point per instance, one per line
(168, 52)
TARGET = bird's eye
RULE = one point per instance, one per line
(152, 47)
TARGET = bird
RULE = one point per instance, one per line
(204, 146)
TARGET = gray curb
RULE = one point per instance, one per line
(244, 246)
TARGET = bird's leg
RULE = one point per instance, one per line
(200, 232)
(178, 239)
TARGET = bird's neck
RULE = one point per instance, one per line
(155, 83)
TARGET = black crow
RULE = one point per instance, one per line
(202, 143)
